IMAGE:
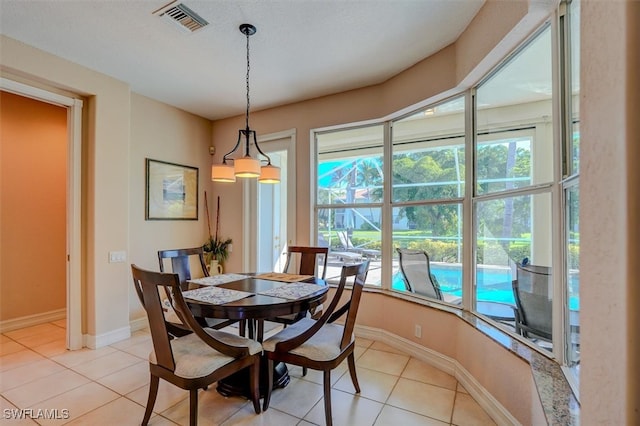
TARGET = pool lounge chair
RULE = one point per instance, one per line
(414, 265)
(531, 290)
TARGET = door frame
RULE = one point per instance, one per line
(249, 222)
(73, 203)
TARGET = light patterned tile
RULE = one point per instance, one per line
(467, 412)
(5, 339)
(28, 373)
(316, 376)
(213, 408)
(56, 335)
(423, 398)
(462, 388)
(73, 358)
(385, 362)
(78, 401)
(140, 350)
(50, 349)
(106, 365)
(12, 415)
(136, 337)
(363, 343)
(44, 388)
(395, 416)
(18, 359)
(168, 396)
(423, 372)
(10, 346)
(297, 398)
(60, 323)
(373, 384)
(346, 409)
(248, 417)
(32, 331)
(128, 379)
(386, 348)
(121, 412)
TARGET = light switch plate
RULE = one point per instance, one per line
(117, 256)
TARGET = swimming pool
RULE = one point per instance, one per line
(494, 283)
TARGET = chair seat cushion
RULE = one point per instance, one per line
(322, 346)
(194, 358)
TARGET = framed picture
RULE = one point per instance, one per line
(171, 191)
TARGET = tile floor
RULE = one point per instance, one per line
(109, 386)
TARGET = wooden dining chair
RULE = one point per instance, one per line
(181, 260)
(307, 259)
(197, 359)
(321, 344)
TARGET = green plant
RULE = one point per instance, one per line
(217, 249)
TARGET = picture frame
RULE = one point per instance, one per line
(171, 191)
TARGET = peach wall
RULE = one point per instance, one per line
(162, 132)
(33, 141)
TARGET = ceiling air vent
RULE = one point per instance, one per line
(181, 15)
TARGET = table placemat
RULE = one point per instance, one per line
(279, 276)
(215, 295)
(292, 291)
(218, 279)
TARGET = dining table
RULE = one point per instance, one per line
(254, 298)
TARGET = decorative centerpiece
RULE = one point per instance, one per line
(216, 249)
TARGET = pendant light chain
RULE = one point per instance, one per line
(248, 103)
(246, 166)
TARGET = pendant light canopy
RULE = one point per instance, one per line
(246, 166)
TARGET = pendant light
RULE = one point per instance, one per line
(246, 166)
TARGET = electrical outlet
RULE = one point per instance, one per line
(418, 331)
(117, 256)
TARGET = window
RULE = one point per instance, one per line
(428, 184)
(349, 199)
(514, 181)
(486, 182)
(570, 26)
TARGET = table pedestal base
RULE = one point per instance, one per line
(238, 384)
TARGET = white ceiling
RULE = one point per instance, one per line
(303, 48)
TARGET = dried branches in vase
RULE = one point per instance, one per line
(214, 247)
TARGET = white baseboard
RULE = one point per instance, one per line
(492, 406)
(30, 320)
(105, 339)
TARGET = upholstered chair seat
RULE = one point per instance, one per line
(194, 358)
(322, 346)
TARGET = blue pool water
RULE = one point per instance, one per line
(494, 284)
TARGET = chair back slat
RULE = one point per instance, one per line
(360, 276)
(359, 271)
(147, 285)
(414, 265)
(181, 263)
(308, 259)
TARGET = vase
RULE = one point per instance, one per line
(215, 268)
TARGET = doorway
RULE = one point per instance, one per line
(270, 225)
(72, 204)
